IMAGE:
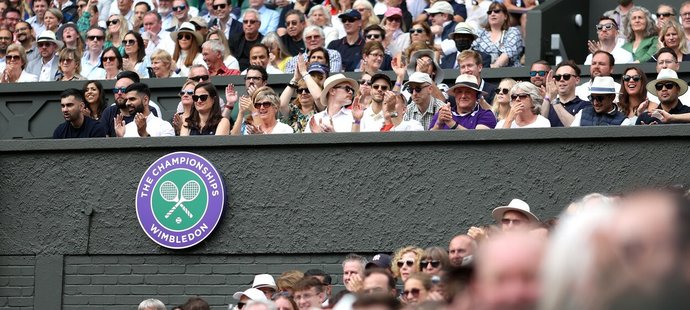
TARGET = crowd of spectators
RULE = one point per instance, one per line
(624, 251)
(137, 40)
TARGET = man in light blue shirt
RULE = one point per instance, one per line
(269, 18)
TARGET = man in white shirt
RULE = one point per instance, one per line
(145, 124)
(338, 92)
(91, 61)
(602, 65)
(607, 32)
(40, 7)
(47, 66)
(373, 117)
(158, 38)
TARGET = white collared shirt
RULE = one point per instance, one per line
(341, 121)
(155, 127)
(45, 75)
(164, 43)
(371, 121)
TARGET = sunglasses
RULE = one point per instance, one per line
(417, 89)
(346, 88)
(109, 58)
(565, 77)
(96, 38)
(416, 30)
(292, 23)
(43, 44)
(667, 85)
(608, 26)
(409, 263)
(265, 104)
(535, 73)
(309, 38)
(250, 21)
(660, 15)
(66, 60)
(347, 20)
(635, 78)
(241, 305)
(303, 91)
(118, 90)
(219, 6)
(521, 96)
(184, 36)
(199, 78)
(380, 87)
(364, 82)
(505, 91)
(129, 42)
(415, 292)
(496, 11)
(179, 8)
(199, 97)
(373, 36)
(111, 22)
(434, 263)
(599, 98)
(394, 20)
(186, 92)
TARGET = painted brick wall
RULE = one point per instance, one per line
(17, 282)
(113, 282)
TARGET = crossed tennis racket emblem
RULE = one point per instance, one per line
(189, 192)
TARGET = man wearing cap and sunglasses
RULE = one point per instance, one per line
(423, 106)
(667, 87)
(46, 67)
(350, 47)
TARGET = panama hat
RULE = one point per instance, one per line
(251, 293)
(465, 80)
(412, 66)
(187, 27)
(667, 75)
(335, 80)
(264, 280)
(49, 36)
(514, 205)
(603, 85)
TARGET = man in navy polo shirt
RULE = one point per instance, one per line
(467, 113)
(350, 47)
(76, 125)
(560, 90)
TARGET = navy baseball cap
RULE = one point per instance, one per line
(351, 14)
(380, 260)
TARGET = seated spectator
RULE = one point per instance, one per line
(538, 72)
(423, 106)
(187, 103)
(602, 111)
(69, 35)
(525, 111)
(372, 118)
(560, 90)
(187, 48)
(91, 67)
(205, 116)
(470, 62)
(666, 59)
(116, 28)
(516, 215)
(326, 282)
(293, 39)
(39, 8)
(425, 61)
(76, 125)
(476, 13)
(15, 62)
(279, 54)
(269, 18)
(319, 55)
(140, 10)
(162, 65)
(223, 20)
(285, 302)
(460, 248)
(467, 114)
(134, 58)
(501, 106)
(111, 62)
(406, 262)
(265, 283)
(667, 87)
(461, 39)
(229, 60)
(94, 99)
(145, 124)
(245, 40)
(298, 112)
(349, 47)
(353, 271)
(420, 32)
(433, 261)
(265, 118)
(212, 53)
(70, 65)
(46, 67)
(52, 19)
(181, 15)
(377, 301)
(373, 54)
(607, 33)
(441, 19)
(393, 117)
(396, 39)
(287, 280)
(366, 9)
(154, 304)
(417, 289)
(378, 281)
(633, 97)
(664, 13)
(319, 16)
(620, 14)
(259, 55)
(250, 294)
(503, 43)
(671, 36)
(314, 39)
(641, 39)
(309, 293)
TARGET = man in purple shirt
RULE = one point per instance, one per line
(467, 114)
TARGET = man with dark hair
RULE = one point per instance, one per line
(376, 33)
(538, 72)
(47, 65)
(666, 58)
(24, 35)
(560, 90)
(607, 32)
(145, 124)
(39, 7)
(245, 40)
(259, 56)
(668, 88)
(373, 117)
(119, 109)
(470, 62)
(11, 16)
(378, 281)
(5, 41)
(223, 19)
(308, 293)
(292, 39)
(350, 47)
(76, 125)
(140, 10)
(326, 281)
(377, 302)
(602, 65)
(303, 6)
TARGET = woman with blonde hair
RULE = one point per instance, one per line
(365, 9)
(162, 64)
(406, 262)
(15, 63)
(116, 27)
(52, 19)
(672, 36)
(278, 55)
(501, 104)
(287, 280)
(69, 65)
(263, 120)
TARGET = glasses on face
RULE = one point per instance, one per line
(199, 97)
(505, 91)
(129, 42)
(394, 20)
(186, 92)
(660, 15)
(667, 85)
(380, 87)
(265, 104)
(373, 36)
(409, 263)
(111, 22)
(292, 23)
(535, 73)
(628, 78)
(66, 60)
(219, 6)
(310, 38)
(184, 36)
(521, 96)
(109, 58)
(303, 91)
(417, 89)
(415, 292)
(378, 55)
(179, 8)
(118, 90)
(253, 78)
(364, 82)
(599, 98)
(240, 305)
(9, 58)
(416, 30)
(496, 11)
(346, 88)
(5, 38)
(199, 78)
(565, 77)
(434, 263)
(666, 62)
(44, 44)
(607, 26)
(96, 38)
(347, 20)
(250, 21)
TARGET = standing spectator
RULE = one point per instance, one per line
(667, 87)
(47, 66)
(91, 61)
(671, 36)
(467, 114)
(560, 90)
(212, 52)
(498, 39)
(187, 48)
(607, 33)
(269, 18)
(205, 116)
(350, 47)
(250, 36)
(423, 106)
(39, 7)
(525, 108)
(145, 124)
(76, 125)
(641, 39)
(460, 246)
(15, 64)
(292, 39)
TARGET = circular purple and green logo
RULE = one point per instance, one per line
(180, 200)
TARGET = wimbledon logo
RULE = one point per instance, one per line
(180, 200)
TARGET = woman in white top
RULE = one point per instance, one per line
(319, 16)
(264, 119)
(525, 108)
(187, 48)
(15, 62)
(135, 58)
(501, 105)
(396, 39)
